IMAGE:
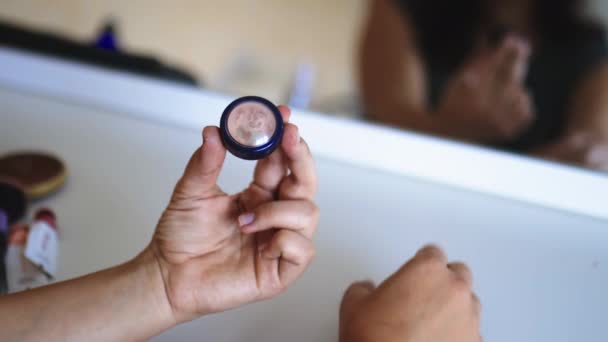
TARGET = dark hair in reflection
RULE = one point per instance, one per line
(448, 28)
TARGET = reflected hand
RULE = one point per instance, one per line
(486, 101)
(581, 149)
(426, 300)
(218, 251)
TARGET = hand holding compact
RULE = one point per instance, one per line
(218, 251)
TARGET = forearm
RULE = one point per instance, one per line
(385, 95)
(392, 78)
(390, 72)
(126, 302)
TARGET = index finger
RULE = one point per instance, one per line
(270, 171)
(302, 182)
(511, 58)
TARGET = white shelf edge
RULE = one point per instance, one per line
(476, 169)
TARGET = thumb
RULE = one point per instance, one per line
(353, 297)
(204, 167)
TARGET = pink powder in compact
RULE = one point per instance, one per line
(251, 124)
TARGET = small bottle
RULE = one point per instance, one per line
(13, 204)
(20, 273)
(42, 242)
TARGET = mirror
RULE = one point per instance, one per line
(529, 77)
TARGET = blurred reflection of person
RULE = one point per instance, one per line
(443, 67)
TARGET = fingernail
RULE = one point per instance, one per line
(526, 46)
(207, 137)
(511, 41)
(246, 219)
(366, 284)
(208, 141)
(524, 49)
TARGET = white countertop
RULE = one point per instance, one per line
(534, 233)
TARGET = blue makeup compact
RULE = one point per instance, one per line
(251, 127)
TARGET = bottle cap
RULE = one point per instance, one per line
(39, 174)
(48, 216)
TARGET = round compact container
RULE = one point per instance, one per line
(251, 127)
(39, 174)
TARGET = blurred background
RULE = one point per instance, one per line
(373, 60)
(234, 46)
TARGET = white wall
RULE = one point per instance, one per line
(262, 39)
